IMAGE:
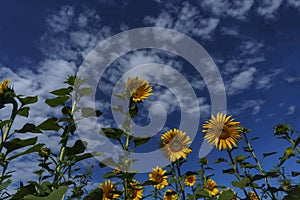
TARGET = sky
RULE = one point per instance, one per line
(254, 45)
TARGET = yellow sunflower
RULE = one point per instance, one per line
(253, 196)
(4, 86)
(175, 144)
(211, 187)
(138, 89)
(222, 131)
(135, 191)
(170, 195)
(109, 190)
(158, 175)
(190, 180)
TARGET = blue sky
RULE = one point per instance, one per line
(255, 45)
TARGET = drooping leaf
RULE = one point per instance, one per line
(55, 194)
(29, 128)
(62, 91)
(94, 194)
(57, 101)
(255, 138)
(241, 184)
(24, 112)
(113, 133)
(240, 158)
(77, 148)
(269, 154)
(28, 100)
(109, 175)
(228, 171)
(201, 192)
(107, 162)
(140, 140)
(23, 191)
(148, 182)
(86, 156)
(90, 112)
(18, 143)
(49, 124)
(4, 123)
(85, 91)
(35, 148)
(295, 173)
(227, 195)
(5, 184)
(293, 194)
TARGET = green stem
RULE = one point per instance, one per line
(180, 181)
(155, 194)
(293, 143)
(258, 165)
(175, 177)
(235, 168)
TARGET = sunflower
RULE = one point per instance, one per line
(170, 195)
(253, 196)
(211, 187)
(158, 175)
(138, 89)
(4, 86)
(109, 190)
(135, 191)
(222, 131)
(190, 180)
(175, 144)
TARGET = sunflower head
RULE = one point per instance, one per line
(138, 89)
(170, 195)
(4, 86)
(158, 175)
(175, 144)
(211, 187)
(253, 196)
(135, 190)
(190, 180)
(109, 190)
(222, 131)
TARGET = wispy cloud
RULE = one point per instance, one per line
(291, 110)
(269, 8)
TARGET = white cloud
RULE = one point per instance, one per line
(61, 21)
(294, 3)
(264, 81)
(236, 9)
(241, 81)
(292, 79)
(268, 8)
(253, 105)
(291, 110)
(188, 20)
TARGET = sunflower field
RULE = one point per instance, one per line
(65, 174)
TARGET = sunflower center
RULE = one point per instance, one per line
(225, 132)
(176, 146)
(132, 193)
(110, 195)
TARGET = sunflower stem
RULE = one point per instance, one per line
(175, 177)
(155, 194)
(258, 164)
(180, 181)
(235, 168)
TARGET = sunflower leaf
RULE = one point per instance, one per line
(140, 140)
(295, 173)
(219, 160)
(112, 133)
(226, 195)
(269, 154)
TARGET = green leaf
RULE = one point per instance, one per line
(269, 154)
(295, 173)
(62, 91)
(148, 182)
(28, 128)
(219, 160)
(23, 191)
(289, 152)
(85, 91)
(109, 175)
(241, 184)
(113, 133)
(255, 138)
(5, 184)
(228, 171)
(17, 143)
(4, 123)
(90, 112)
(35, 148)
(201, 192)
(226, 195)
(57, 101)
(86, 156)
(94, 194)
(56, 194)
(28, 100)
(297, 142)
(240, 158)
(293, 194)
(24, 112)
(140, 140)
(107, 162)
(49, 124)
(133, 111)
(77, 148)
